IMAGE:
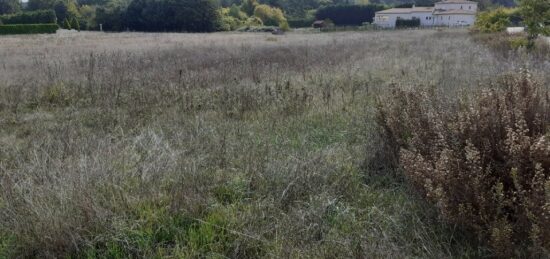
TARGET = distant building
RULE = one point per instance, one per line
(446, 13)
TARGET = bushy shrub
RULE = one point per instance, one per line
(75, 24)
(231, 18)
(492, 21)
(270, 16)
(66, 24)
(349, 14)
(35, 17)
(28, 28)
(236, 12)
(484, 161)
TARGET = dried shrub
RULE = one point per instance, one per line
(484, 160)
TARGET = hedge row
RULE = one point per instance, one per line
(28, 28)
(34, 17)
(402, 23)
(300, 23)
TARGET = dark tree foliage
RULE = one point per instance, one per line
(9, 6)
(298, 8)
(348, 14)
(112, 16)
(172, 15)
(40, 4)
(92, 2)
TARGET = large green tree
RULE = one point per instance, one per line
(9, 6)
(66, 9)
(112, 16)
(249, 6)
(41, 4)
(173, 15)
(536, 17)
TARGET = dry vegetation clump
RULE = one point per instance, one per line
(484, 160)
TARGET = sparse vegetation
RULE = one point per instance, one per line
(235, 145)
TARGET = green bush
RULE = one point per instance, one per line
(483, 160)
(35, 17)
(75, 24)
(270, 16)
(28, 28)
(66, 24)
(493, 21)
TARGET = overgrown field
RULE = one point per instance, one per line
(222, 145)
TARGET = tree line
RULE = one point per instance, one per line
(191, 15)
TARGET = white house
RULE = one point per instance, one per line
(445, 13)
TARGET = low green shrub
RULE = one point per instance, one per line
(484, 160)
(56, 95)
(28, 28)
(518, 42)
(34, 17)
(75, 24)
(493, 21)
(66, 24)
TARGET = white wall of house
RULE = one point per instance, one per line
(386, 20)
(454, 20)
(445, 13)
(426, 18)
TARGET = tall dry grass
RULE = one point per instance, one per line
(235, 145)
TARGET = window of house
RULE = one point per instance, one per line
(470, 7)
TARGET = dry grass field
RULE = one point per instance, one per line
(221, 145)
